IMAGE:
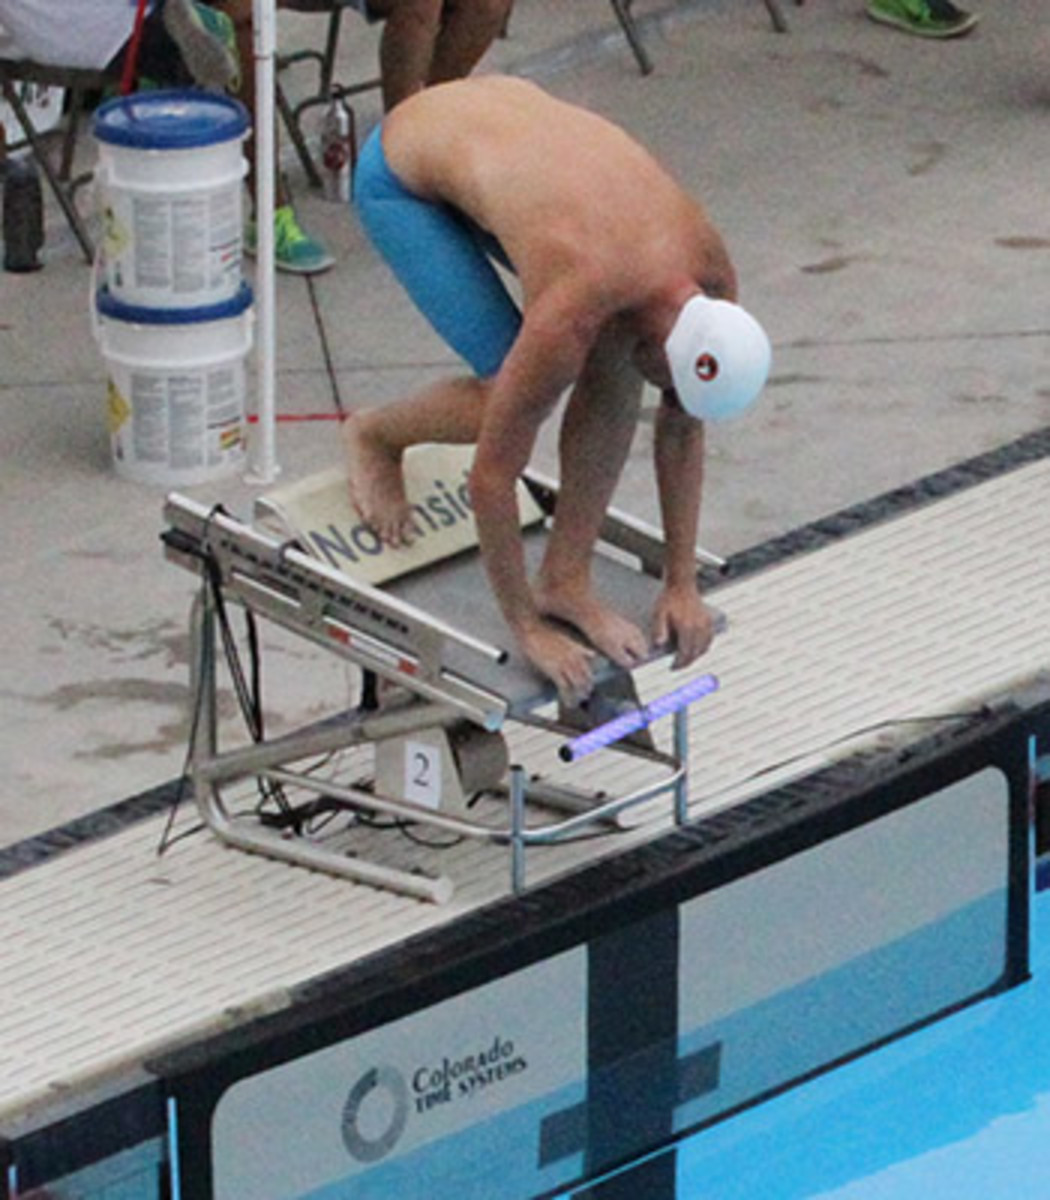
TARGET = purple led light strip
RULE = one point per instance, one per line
(638, 718)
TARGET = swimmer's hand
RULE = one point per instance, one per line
(561, 658)
(681, 620)
(620, 640)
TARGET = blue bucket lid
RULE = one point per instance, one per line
(140, 314)
(170, 120)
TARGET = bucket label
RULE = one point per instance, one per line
(224, 244)
(175, 394)
(187, 246)
(168, 426)
(185, 420)
(173, 250)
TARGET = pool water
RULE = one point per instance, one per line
(960, 1110)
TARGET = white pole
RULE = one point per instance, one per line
(264, 467)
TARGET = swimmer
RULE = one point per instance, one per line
(623, 279)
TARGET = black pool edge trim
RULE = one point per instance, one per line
(92, 827)
(855, 518)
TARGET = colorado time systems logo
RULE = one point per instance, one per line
(379, 1104)
(371, 1134)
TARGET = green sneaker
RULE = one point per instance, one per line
(924, 18)
(207, 42)
(295, 250)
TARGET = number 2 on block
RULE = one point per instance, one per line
(423, 774)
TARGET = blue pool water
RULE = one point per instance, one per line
(959, 1110)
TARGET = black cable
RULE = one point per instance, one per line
(405, 828)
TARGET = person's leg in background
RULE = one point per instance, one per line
(432, 41)
(468, 29)
(406, 45)
(296, 250)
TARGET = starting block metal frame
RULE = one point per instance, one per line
(446, 676)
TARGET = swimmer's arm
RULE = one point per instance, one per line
(546, 359)
(681, 618)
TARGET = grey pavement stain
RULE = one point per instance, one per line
(982, 398)
(1023, 242)
(164, 638)
(791, 379)
(124, 692)
(169, 737)
(865, 66)
(164, 737)
(837, 262)
(104, 555)
(114, 691)
(929, 155)
(825, 104)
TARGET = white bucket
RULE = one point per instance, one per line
(170, 174)
(175, 397)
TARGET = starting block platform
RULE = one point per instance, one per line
(422, 619)
(850, 858)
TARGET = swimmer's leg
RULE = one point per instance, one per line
(441, 262)
(375, 440)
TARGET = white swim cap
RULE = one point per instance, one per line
(719, 357)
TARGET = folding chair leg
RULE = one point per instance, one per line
(296, 134)
(69, 142)
(62, 195)
(622, 8)
(328, 91)
(331, 46)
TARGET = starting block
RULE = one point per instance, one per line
(422, 623)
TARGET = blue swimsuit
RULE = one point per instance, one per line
(442, 259)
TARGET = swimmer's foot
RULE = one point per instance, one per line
(377, 485)
(612, 635)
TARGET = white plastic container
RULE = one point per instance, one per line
(170, 175)
(175, 396)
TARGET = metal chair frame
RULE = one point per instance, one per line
(77, 82)
(622, 9)
(329, 90)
